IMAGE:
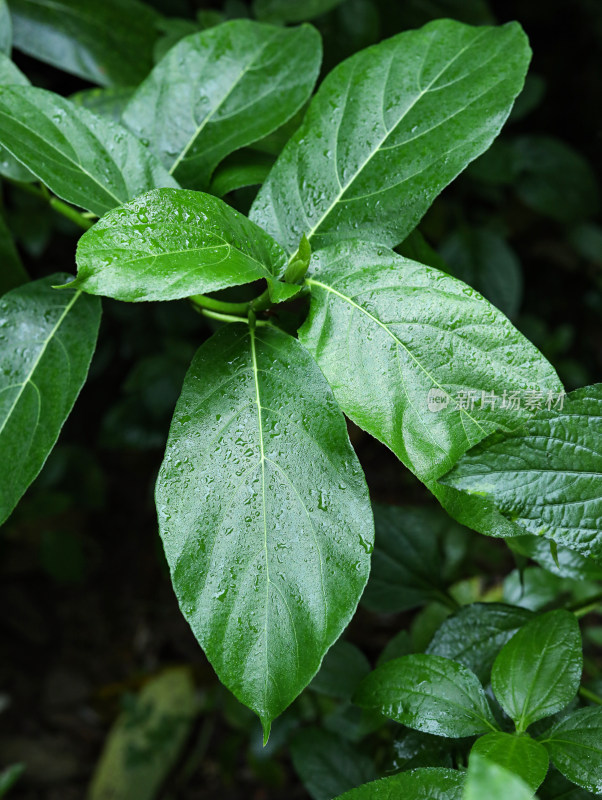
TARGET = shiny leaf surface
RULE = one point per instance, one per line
(418, 784)
(520, 755)
(388, 129)
(575, 747)
(264, 514)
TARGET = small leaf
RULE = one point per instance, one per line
(344, 666)
(147, 740)
(388, 129)
(547, 475)
(107, 43)
(575, 747)
(47, 339)
(417, 784)
(486, 779)
(328, 765)
(243, 168)
(475, 634)
(408, 564)
(173, 243)
(222, 89)
(429, 694)
(264, 514)
(538, 672)
(84, 159)
(393, 336)
(520, 755)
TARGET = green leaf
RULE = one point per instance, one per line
(393, 336)
(564, 562)
(518, 754)
(327, 764)
(482, 259)
(221, 89)
(408, 564)
(547, 475)
(147, 740)
(108, 103)
(575, 747)
(173, 243)
(84, 159)
(429, 694)
(538, 672)
(12, 272)
(388, 129)
(486, 779)
(47, 339)
(6, 29)
(264, 514)
(344, 666)
(109, 43)
(475, 634)
(556, 787)
(418, 784)
(10, 75)
(9, 776)
(243, 168)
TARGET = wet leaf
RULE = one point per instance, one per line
(490, 780)
(575, 747)
(84, 159)
(418, 784)
(264, 514)
(47, 338)
(520, 755)
(388, 129)
(221, 89)
(429, 694)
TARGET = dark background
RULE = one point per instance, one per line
(87, 613)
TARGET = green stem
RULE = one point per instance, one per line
(82, 220)
(206, 312)
(222, 306)
(583, 607)
(590, 695)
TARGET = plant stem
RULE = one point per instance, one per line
(82, 220)
(206, 312)
(589, 695)
(224, 307)
(583, 607)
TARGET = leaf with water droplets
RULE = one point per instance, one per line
(222, 89)
(388, 129)
(173, 243)
(416, 784)
(575, 747)
(429, 694)
(419, 360)
(264, 514)
(520, 755)
(547, 475)
(47, 339)
(84, 159)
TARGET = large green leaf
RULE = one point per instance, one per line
(328, 765)
(393, 336)
(547, 475)
(172, 243)
(575, 747)
(418, 784)
(430, 694)
(10, 75)
(108, 42)
(47, 339)
(475, 634)
(388, 129)
(221, 89)
(486, 779)
(519, 754)
(409, 565)
(88, 161)
(264, 514)
(538, 672)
